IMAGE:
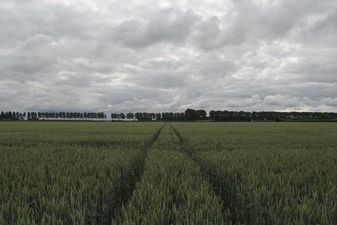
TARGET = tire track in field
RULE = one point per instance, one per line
(184, 146)
(213, 179)
(172, 188)
(154, 138)
(127, 188)
(178, 135)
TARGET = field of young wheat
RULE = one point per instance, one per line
(168, 173)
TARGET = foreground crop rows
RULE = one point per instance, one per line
(271, 173)
(48, 176)
(177, 173)
(172, 189)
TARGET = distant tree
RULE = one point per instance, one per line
(114, 115)
(138, 115)
(324, 116)
(165, 115)
(158, 116)
(202, 114)
(212, 115)
(130, 115)
(170, 115)
(121, 116)
(33, 115)
(181, 116)
(153, 115)
(192, 114)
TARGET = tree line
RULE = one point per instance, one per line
(268, 116)
(50, 115)
(12, 115)
(188, 115)
(230, 116)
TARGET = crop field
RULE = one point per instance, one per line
(168, 173)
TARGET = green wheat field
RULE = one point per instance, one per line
(168, 173)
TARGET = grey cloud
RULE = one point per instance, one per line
(165, 26)
(26, 19)
(162, 80)
(251, 22)
(207, 33)
(98, 55)
(330, 101)
(328, 22)
(254, 100)
(281, 100)
(285, 101)
(218, 68)
(28, 58)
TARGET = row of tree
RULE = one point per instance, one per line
(12, 115)
(188, 115)
(145, 116)
(267, 115)
(191, 114)
(51, 115)
(71, 115)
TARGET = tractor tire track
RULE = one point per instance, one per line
(215, 180)
(127, 186)
(172, 188)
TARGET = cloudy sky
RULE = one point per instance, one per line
(155, 56)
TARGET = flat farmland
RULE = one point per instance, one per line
(168, 173)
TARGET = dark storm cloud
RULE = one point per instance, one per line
(168, 56)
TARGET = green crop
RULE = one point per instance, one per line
(172, 189)
(69, 173)
(168, 173)
(269, 173)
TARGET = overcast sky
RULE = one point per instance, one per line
(155, 56)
